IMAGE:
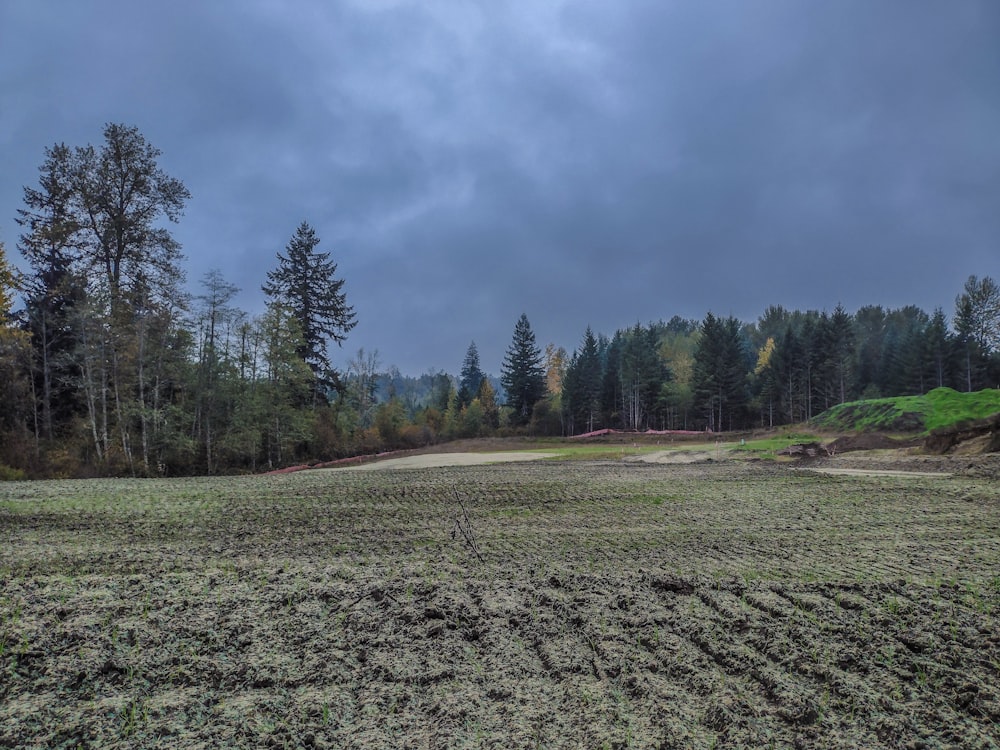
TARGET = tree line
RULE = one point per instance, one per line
(784, 368)
(111, 367)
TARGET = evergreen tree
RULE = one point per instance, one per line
(305, 283)
(15, 396)
(582, 386)
(720, 370)
(107, 268)
(980, 302)
(642, 375)
(841, 352)
(977, 325)
(789, 369)
(50, 244)
(937, 347)
(522, 375)
(870, 326)
(904, 373)
(611, 391)
(472, 376)
(813, 350)
(770, 325)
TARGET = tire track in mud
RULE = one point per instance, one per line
(660, 606)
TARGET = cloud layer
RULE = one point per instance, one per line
(583, 162)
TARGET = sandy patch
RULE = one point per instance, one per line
(674, 457)
(434, 460)
(881, 473)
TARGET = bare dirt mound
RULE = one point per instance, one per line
(867, 441)
(673, 457)
(980, 436)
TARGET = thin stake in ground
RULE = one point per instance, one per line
(464, 526)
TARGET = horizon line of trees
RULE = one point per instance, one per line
(111, 368)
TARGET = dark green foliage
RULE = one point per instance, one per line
(582, 387)
(637, 376)
(50, 244)
(522, 375)
(472, 376)
(106, 370)
(937, 351)
(977, 328)
(720, 373)
(104, 298)
(305, 282)
(839, 359)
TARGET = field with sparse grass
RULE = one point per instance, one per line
(585, 603)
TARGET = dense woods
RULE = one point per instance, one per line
(109, 366)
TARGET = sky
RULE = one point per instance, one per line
(581, 162)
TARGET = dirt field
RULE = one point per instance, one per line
(437, 460)
(544, 604)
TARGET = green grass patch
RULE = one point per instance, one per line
(776, 443)
(942, 407)
(598, 452)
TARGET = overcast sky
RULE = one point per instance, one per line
(589, 162)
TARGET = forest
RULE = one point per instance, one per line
(108, 366)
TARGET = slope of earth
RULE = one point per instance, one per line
(937, 409)
(541, 604)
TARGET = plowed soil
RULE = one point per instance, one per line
(543, 604)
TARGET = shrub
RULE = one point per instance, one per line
(7, 474)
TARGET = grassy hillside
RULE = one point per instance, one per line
(941, 407)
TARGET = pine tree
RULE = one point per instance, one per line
(937, 349)
(582, 387)
(9, 282)
(841, 351)
(472, 376)
(14, 352)
(788, 364)
(720, 371)
(522, 375)
(870, 326)
(305, 283)
(977, 325)
(51, 245)
(641, 374)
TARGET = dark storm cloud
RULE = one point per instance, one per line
(584, 162)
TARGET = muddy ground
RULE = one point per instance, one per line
(545, 604)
